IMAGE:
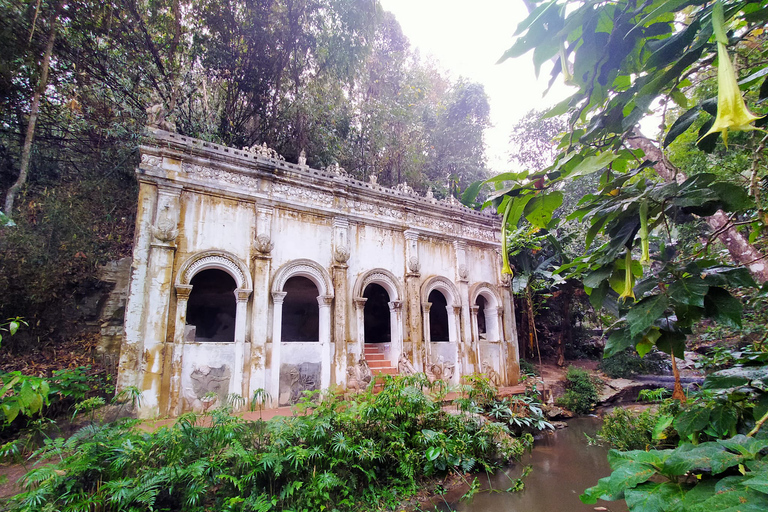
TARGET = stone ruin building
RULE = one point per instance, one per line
(252, 273)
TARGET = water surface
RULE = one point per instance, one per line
(563, 466)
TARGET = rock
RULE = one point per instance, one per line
(559, 424)
(552, 412)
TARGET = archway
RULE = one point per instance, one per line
(304, 362)
(212, 307)
(301, 312)
(376, 314)
(439, 329)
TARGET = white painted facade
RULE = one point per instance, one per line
(284, 236)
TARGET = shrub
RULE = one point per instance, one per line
(628, 364)
(626, 430)
(364, 453)
(581, 392)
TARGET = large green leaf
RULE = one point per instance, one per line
(721, 306)
(643, 314)
(725, 495)
(689, 291)
(671, 342)
(692, 421)
(737, 377)
(655, 497)
(618, 341)
(539, 210)
(710, 457)
(747, 446)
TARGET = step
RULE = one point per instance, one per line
(375, 357)
(388, 371)
(370, 348)
(379, 364)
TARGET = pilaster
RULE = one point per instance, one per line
(339, 274)
(414, 344)
(261, 257)
(159, 286)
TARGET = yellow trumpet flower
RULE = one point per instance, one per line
(645, 259)
(629, 279)
(732, 112)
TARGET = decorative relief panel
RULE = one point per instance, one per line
(304, 194)
(487, 235)
(207, 173)
(151, 162)
(376, 209)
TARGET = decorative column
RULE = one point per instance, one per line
(427, 356)
(132, 347)
(454, 320)
(509, 334)
(241, 312)
(262, 270)
(277, 333)
(465, 337)
(396, 329)
(414, 345)
(158, 300)
(176, 399)
(360, 323)
(341, 253)
(497, 314)
(474, 309)
(324, 331)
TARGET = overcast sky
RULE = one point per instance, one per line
(468, 38)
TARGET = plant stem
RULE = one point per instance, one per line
(758, 424)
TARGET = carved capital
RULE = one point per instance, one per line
(278, 297)
(324, 301)
(183, 291)
(456, 310)
(360, 302)
(263, 244)
(413, 264)
(474, 309)
(242, 294)
(505, 280)
(395, 305)
(165, 230)
(341, 254)
(426, 306)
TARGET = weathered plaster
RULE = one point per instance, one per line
(263, 220)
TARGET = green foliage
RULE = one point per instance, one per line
(624, 430)
(715, 463)
(628, 363)
(22, 394)
(729, 473)
(364, 453)
(581, 393)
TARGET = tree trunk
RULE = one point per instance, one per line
(739, 247)
(33, 112)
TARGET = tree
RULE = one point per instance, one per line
(623, 59)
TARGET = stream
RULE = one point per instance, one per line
(563, 466)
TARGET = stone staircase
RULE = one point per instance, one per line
(376, 361)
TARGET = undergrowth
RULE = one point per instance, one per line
(368, 452)
(581, 392)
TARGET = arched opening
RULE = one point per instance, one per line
(438, 317)
(301, 313)
(376, 314)
(481, 327)
(212, 306)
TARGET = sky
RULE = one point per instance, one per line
(467, 38)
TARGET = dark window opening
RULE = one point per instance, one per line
(212, 306)
(301, 313)
(482, 303)
(376, 314)
(438, 317)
